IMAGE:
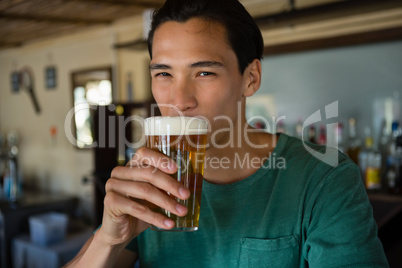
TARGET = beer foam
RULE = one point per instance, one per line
(179, 125)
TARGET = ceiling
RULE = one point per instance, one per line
(22, 21)
(26, 20)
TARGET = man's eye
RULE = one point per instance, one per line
(205, 73)
(162, 74)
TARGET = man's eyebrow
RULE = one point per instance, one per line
(159, 67)
(206, 64)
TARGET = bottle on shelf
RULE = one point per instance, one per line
(394, 167)
(299, 128)
(370, 163)
(339, 137)
(363, 156)
(353, 142)
(384, 143)
(280, 127)
(12, 178)
(2, 165)
(311, 134)
(322, 137)
(373, 169)
(395, 132)
(393, 155)
(10, 183)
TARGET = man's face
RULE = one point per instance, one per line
(195, 71)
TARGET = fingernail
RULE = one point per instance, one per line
(181, 209)
(172, 166)
(168, 223)
(184, 192)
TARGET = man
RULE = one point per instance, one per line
(205, 61)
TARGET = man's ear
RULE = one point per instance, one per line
(253, 78)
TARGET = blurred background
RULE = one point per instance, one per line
(75, 85)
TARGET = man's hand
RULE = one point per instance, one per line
(145, 178)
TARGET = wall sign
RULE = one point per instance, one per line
(50, 77)
(15, 82)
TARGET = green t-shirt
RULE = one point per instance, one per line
(295, 211)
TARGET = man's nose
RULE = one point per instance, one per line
(182, 96)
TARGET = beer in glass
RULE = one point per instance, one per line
(184, 140)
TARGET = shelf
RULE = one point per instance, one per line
(385, 207)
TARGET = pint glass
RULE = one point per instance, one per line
(184, 140)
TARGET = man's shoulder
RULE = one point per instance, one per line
(312, 163)
(307, 153)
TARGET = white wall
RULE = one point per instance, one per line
(56, 166)
(356, 76)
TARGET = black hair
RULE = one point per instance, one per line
(243, 34)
